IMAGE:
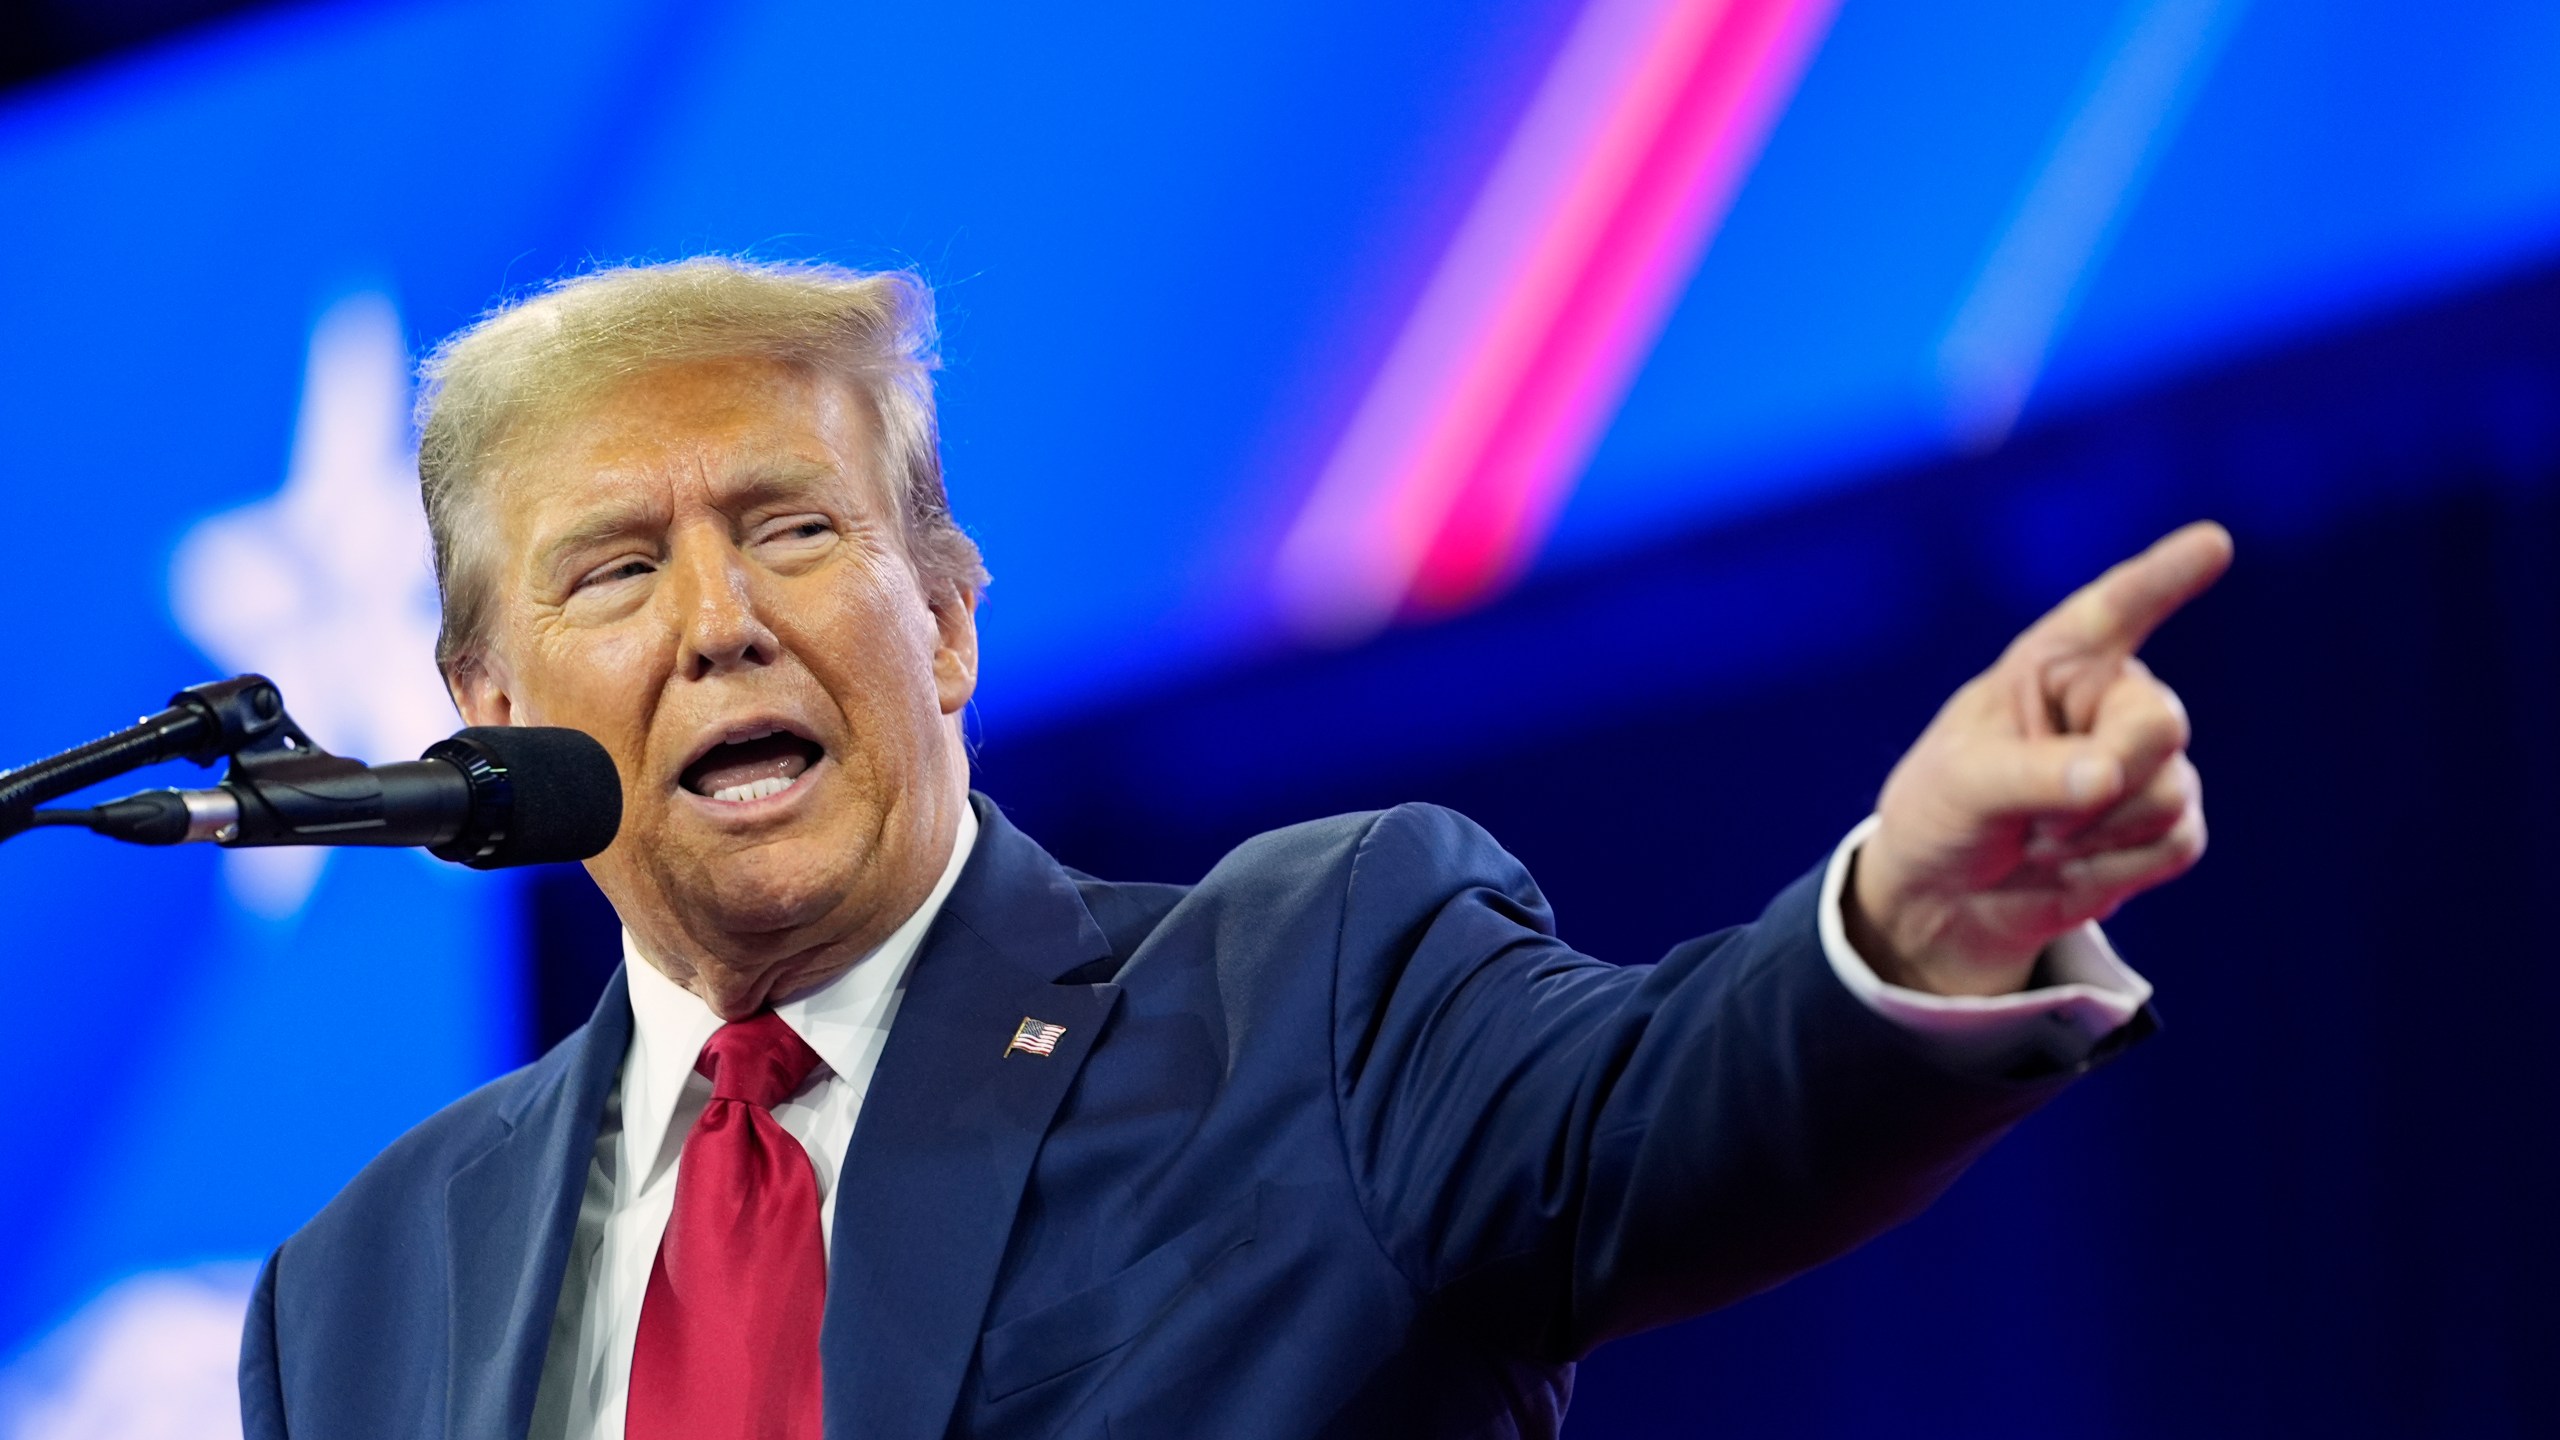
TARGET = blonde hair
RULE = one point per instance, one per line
(529, 365)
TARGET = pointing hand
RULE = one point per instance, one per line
(2049, 790)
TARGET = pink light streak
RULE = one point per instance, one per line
(1551, 293)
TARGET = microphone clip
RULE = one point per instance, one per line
(287, 790)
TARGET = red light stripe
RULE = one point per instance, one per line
(1610, 307)
(1524, 342)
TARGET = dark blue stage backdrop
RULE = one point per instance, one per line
(1594, 414)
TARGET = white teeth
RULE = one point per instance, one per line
(754, 789)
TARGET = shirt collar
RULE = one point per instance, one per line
(845, 1020)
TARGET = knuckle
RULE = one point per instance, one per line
(1970, 697)
(2095, 611)
(2168, 736)
(2174, 714)
(2157, 724)
(2187, 842)
(2176, 788)
(2155, 822)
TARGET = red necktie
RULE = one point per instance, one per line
(728, 1344)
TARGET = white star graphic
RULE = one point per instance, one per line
(327, 587)
(154, 1358)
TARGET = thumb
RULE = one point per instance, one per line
(2047, 775)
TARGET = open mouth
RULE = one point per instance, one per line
(751, 769)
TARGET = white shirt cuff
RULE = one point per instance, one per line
(2094, 993)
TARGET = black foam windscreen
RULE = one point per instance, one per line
(562, 800)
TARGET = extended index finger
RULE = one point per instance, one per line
(2113, 614)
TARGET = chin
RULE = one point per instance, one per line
(768, 888)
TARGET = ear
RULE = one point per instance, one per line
(955, 661)
(478, 684)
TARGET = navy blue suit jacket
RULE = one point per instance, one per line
(1341, 1141)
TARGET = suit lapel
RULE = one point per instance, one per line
(948, 1133)
(510, 1216)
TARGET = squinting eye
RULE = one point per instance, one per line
(627, 570)
(792, 532)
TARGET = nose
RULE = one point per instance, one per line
(720, 628)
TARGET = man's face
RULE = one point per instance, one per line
(704, 573)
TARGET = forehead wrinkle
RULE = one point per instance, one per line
(731, 446)
(750, 482)
(754, 479)
(595, 528)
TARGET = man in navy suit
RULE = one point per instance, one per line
(891, 1126)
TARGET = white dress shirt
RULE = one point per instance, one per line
(631, 1186)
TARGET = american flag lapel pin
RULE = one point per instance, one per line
(1034, 1037)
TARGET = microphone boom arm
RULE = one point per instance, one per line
(203, 723)
(282, 788)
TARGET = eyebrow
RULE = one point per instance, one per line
(611, 523)
(759, 481)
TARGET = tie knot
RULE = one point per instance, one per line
(759, 1060)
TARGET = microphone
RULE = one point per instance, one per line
(487, 797)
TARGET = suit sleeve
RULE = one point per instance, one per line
(261, 1382)
(1556, 1151)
